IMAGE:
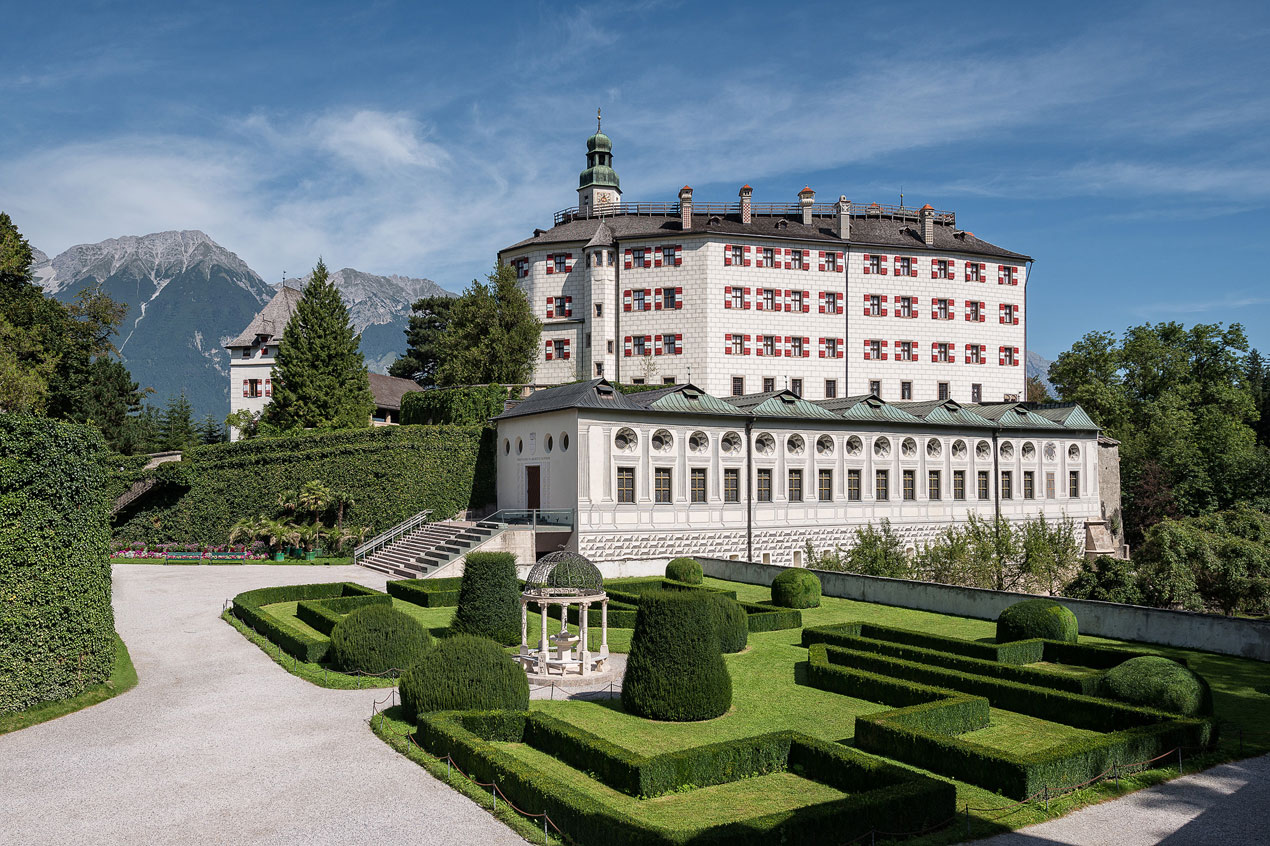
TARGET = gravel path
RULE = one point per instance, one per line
(1227, 804)
(217, 744)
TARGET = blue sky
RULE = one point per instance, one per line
(1126, 146)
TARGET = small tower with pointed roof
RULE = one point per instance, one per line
(598, 185)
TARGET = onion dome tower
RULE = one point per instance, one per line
(598, 185)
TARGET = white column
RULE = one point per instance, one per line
(564, 617)
(582, 625)
(604, 626)
(524, 626)
(542, 645)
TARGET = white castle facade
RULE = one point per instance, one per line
(822, 367)
(825, 300)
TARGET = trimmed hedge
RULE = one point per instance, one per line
(1159, 682)
(883, 796)
(686, 570)
(489, 598)
(675, 670)
(429, 593)
(1033, 618)
(393, 472)
(325, 614)
(249, 607)
(796, 588)
(57, 629)
(731, 623)
(921, 731)
(464, 673)
(765, 618)
(469, 406)
(378, 639)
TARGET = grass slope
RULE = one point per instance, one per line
(122, 678)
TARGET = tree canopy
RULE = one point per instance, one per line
(320, 379)
(425, 346)
(492, 335)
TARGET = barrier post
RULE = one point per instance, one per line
(447, 769)
(1115, 771)
(493, 792)
(1179, 760)
(544, 828)
(1047, 798)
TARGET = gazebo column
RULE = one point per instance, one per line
(604, 626)
(542, 645)
(582, 625)
(524, 626)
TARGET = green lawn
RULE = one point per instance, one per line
(317, 562)
(123, 677)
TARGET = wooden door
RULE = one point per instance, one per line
(533, 486)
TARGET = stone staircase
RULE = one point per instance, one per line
(429, 547)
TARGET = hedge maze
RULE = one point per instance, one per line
(875, 795)
(943, 688)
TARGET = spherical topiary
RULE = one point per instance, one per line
(464, 673)
(378, 639)
(684, 570)
(796, 588)
(1158, 682)
(489, 598)
(1031, 618)
(675, 670)
(730, 622)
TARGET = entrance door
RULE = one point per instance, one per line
(533, 487)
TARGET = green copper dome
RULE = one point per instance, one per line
(599, 141)
(599, 163)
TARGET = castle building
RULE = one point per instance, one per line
(826, 300)
(676, 471)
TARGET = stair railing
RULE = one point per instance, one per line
(380, 541)
(537, 519)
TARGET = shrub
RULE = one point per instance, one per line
(467, 406)
(796, 588)
(1106, 579)
(325, 614)
(1158, 682)
(489, 598)
(675, 670)
(430, 593)
(378, 639)
(686, 570)
(464, 673)
(249, 607)
(1032, 618)
(57, 632)
(730, 622)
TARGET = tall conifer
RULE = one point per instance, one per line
(319, 379)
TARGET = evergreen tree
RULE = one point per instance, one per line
(211, 432)
(177, 429)
(425, 350)
(1257, 376)
(145, 431)
(319, 380)
(108, 399)
(493, 335)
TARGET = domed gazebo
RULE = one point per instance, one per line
(564, 579)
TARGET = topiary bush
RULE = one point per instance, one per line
(796, 588)
(675, 670)
(378, 639)
(464, 673)
(57, 632)
(731, 622)
(489, 598)
(1158, 682)
(684, 570)
(1042, 618)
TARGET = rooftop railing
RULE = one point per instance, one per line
(760, 209)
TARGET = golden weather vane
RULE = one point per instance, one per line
(597, 118)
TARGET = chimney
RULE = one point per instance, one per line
(805, 198)
(927, 215)
(844, 218)
(685, 207)
(746, 210)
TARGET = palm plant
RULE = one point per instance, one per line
(315, 498)
(288, 501)
(341, 501)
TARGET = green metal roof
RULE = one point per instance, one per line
(946, 413)
(1067, 415)
(868, 407)
(1015, 415)
(690, 400)
(780, 404)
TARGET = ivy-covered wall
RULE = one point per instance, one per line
(391, 472)
(56, 623)
(469, 406)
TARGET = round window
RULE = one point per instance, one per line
(564, 441)
(764, 444)
(507, 447)
(548, 443)
(908, 448)
(625, 440)
(882, 447)
(983, 450)
(1073, 452)
(1029, 451)
(662, 440)
(520, 446)
(731, 443)
(699, 442)
(854, 445)
(824, 445)
(794, 445)
(1007, 450)
(959, 448)
(934, 448)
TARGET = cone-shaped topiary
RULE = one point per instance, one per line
(378, 639)
(1037, 618)
(1158, 682)
(796, 588)
(489, 598)
(684, 570)
(675, 670)
(730, 622)
(464, 673)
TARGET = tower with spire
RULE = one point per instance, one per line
(598, 185)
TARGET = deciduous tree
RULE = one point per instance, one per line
(492, 336)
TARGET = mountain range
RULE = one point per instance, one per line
(188, 295)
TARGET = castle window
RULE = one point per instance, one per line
(824, 485)
(668, 380)
(972, 272)
(637, 257)
(941, 353)
(795, 485)
(668, 256)
(738, 386)
(1008, 314)
(1007, 356)
(831, 261)
(906, 266)
(882, 485)
(873, 264)
(796, 347)
(769, 298)
(943, 390)
(732, 485)
(875, 387)
(906, 390)
(875, 305)
(975, 357)
(1007, 276)
(831, 388)
(764, 485)
(796, 300)
(983, 484)
(561, 262)
(668, 298)
(738, 255)
(738, 344)
(907, 352)
(599, 311)
(906, 307)
(798, 260)
(1029, 484)
(831, 347)
(558, 348)
(959, 484)
(246, 352)
(1073, 484)
(1049, 486)
(910, 485)
(942, 310)
(738, 298)
(638, 347)
(638, 300)
(661, 485)
(853, 485)
(698, 484)
(934, 489)
(796, 387)
(769, 384)
(769, 345)
(626, 484)
(769, 257)
(973, 312)
(875, 350)
(832, 302)
(1007, 484)
(976, 392)
(941, 269)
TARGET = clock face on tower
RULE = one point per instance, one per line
(603, 198)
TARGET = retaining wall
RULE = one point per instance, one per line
(1210, 632)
